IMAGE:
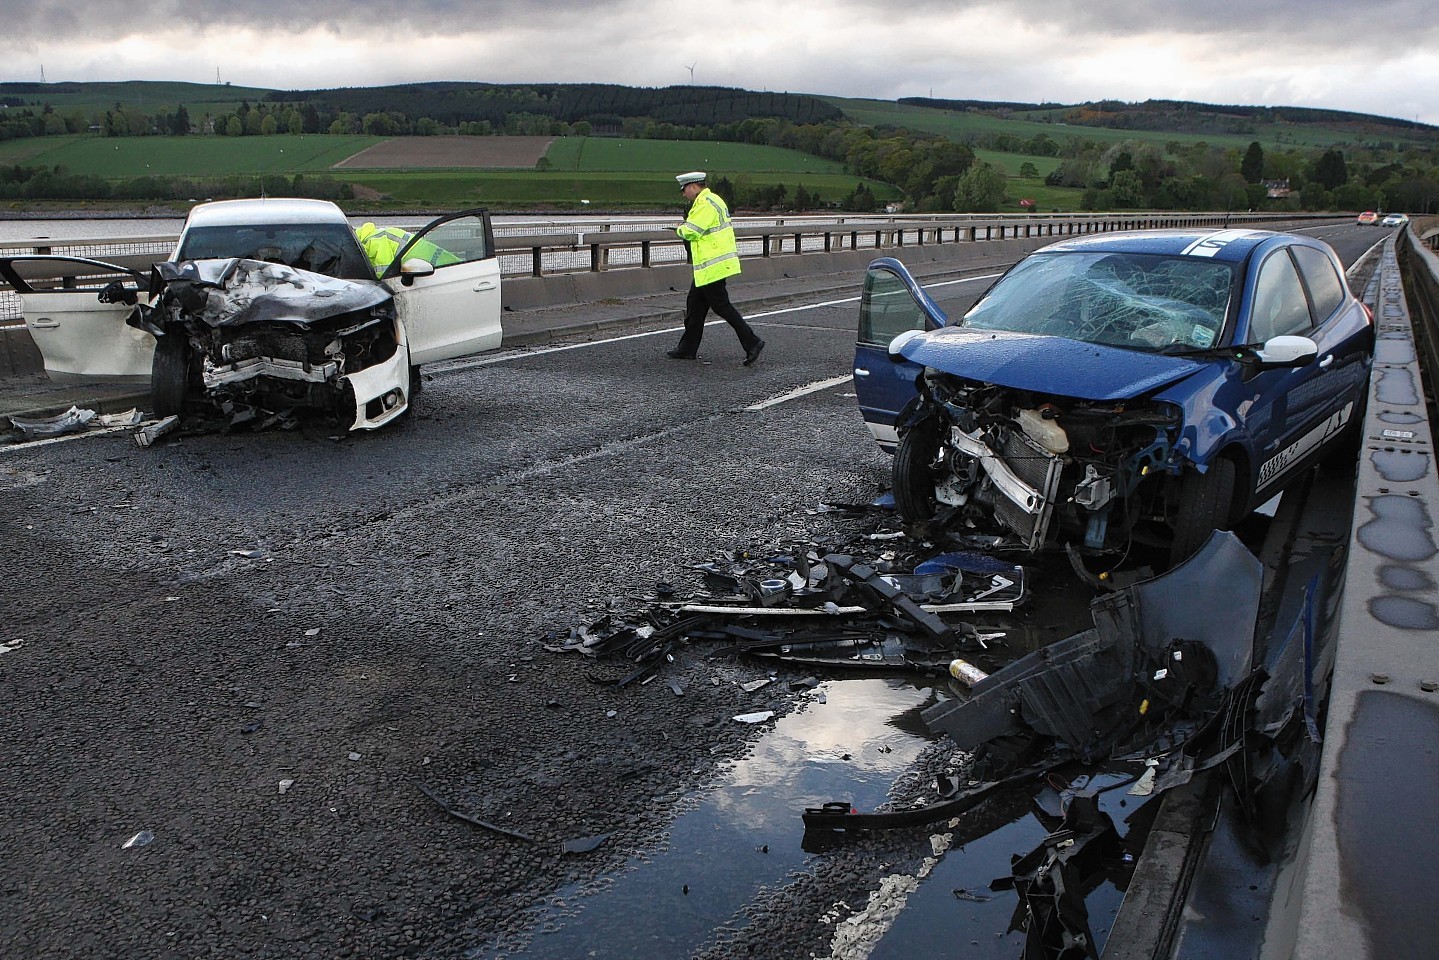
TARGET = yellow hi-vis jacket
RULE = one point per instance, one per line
(382, 243)
(710, 234)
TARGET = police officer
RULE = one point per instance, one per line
(710, 235)
(382, 243)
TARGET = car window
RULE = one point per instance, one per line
(325, 248)
(1325, 287)
(887, 309)
(1137, 301)
(1279, 306)
(462, 239)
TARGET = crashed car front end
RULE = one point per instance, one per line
(254, 338)
(1044, 464)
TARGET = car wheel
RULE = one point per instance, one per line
(914, 475)
(1206, 504)
(170, 375)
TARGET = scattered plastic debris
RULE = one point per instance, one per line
(584, 844)
(141, 839)
(428, 791)
(248, 554)
(759, 717)
(285, 786)
(130, 418)
(146, 436)
(71, 421)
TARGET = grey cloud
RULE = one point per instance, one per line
(26, 20)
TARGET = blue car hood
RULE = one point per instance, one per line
(1025, 361)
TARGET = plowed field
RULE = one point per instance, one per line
(421, 152)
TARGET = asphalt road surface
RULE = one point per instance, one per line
(187, 628)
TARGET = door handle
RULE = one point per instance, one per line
(483, 286)
(44, 323)
(1326, 362)
(861, 372)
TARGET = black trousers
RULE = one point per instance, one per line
(701, 300)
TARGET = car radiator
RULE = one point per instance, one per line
(1025, 478)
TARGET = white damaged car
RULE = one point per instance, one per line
(268, 306)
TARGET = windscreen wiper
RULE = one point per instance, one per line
(1237, 351)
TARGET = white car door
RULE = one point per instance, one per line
(446, 281)
(78, 335)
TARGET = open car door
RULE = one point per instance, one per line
(75, 310)
(446, 281)
(892, 303)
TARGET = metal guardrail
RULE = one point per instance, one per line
(638, 244)
(1371, 839)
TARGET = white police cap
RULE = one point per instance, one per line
(685, 179)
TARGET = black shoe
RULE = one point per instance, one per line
(678, 354)
(752, 354)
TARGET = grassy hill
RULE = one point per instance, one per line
(145, 95)
(1059, 123)
(604, 171)
(610, 170)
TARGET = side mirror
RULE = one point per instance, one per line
(416, 268)
(897, 344)
(1287, 351)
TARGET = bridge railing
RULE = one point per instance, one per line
(617, 245)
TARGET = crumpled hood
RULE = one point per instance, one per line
(234, 292)
(1025, 361)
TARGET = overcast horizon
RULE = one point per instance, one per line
(1315, 53)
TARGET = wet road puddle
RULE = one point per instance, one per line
(851, 739)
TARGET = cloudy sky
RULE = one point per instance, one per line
(1375, 56)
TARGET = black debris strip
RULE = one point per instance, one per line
(885, 602)
(1165, 684)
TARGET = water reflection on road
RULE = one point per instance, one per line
(850, 740)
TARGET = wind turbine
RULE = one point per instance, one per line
(691, 69)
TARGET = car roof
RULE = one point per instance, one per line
(1228, 246)
(264, 211)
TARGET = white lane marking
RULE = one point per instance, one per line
(450, 366)
(31, 444)
(798, 392)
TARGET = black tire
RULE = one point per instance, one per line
(170, 376)
(1206, 504)
(913, 481)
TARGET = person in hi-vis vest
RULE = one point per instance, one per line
(710, 235)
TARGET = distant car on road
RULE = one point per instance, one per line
(269, 305)
(1367, 219)
(1138, 387)
(1394, 220)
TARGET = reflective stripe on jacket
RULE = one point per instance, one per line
(710, 234)
(382, 243)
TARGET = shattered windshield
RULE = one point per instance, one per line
(1133, 300)
(327, 248)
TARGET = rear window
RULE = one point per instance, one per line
(1323, 280)
(325, 248)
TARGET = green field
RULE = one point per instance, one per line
(1009, 163)
(958, 125)
(605, 171)
(145, 95)
(192, 156)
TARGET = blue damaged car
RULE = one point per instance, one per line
(1146, 387)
